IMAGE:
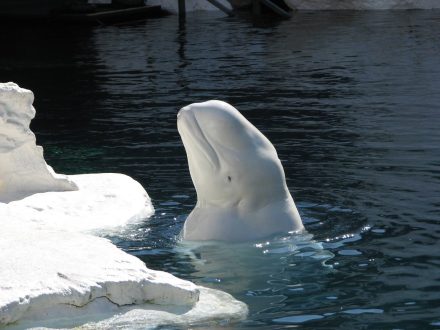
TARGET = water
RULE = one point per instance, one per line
(350, 101)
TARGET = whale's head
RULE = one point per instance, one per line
(231, 162)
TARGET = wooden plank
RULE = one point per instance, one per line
(280, 11)
(111, 16)
(220, 6)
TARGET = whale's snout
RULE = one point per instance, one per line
(183, 111)
(184, 118)
(195, 138)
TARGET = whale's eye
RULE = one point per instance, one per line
(229, 178)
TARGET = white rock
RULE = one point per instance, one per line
(23, 170)
(103, 200)
(213, 307)
(43, 269)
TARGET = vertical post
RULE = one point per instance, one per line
(182, 9)
(256, 7)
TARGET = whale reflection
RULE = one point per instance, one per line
(253, 268)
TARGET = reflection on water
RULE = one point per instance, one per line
(250, 268)
(350, 101)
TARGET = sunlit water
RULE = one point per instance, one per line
(350, 101)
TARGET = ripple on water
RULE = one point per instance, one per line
(298, 319)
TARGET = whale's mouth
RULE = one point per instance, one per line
(195, 140)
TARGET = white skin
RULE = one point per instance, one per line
(240, 183)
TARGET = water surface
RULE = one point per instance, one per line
(351, 102)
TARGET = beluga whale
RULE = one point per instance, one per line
(240, 183)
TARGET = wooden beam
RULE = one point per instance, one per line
(280, 11)
(220, 6)
(110, 16)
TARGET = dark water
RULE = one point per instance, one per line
(350, 101)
